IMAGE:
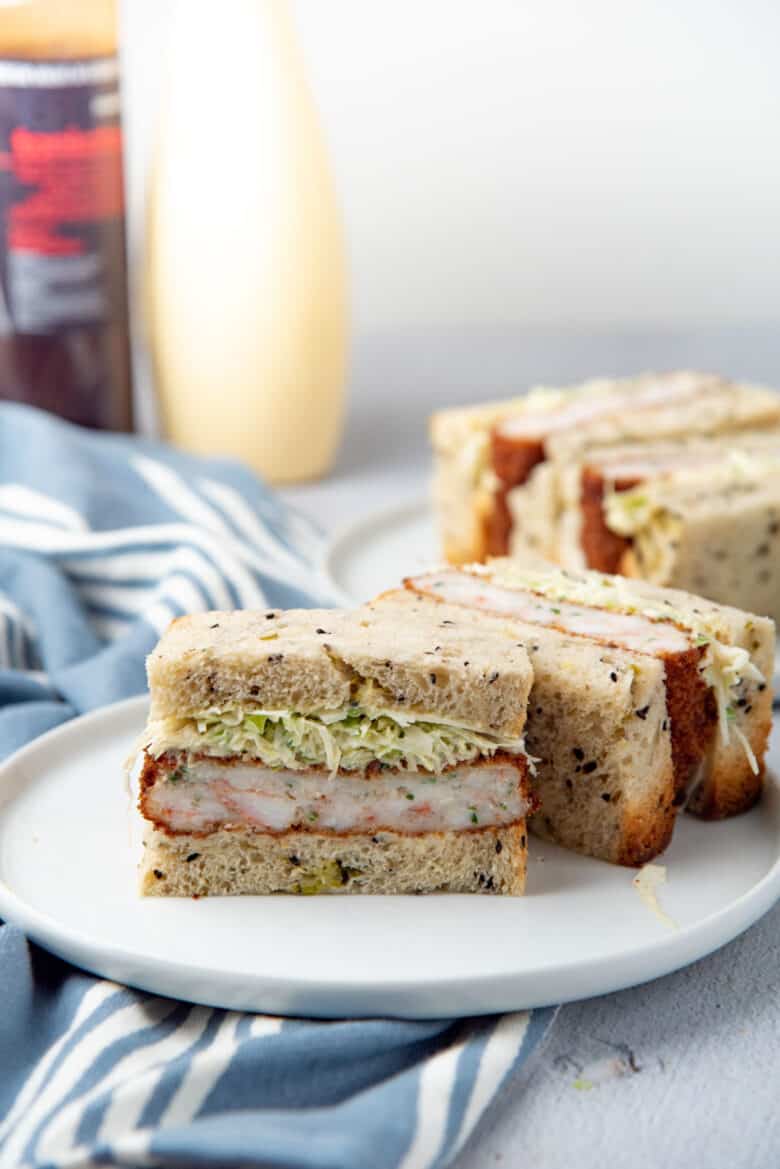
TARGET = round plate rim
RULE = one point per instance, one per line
(351, 530)
(659, 957)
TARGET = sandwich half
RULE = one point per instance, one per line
(598, 726)
(714, 529)
(497, 466)
(690, 708)
(314, 751)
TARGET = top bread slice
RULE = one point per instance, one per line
(448, 665)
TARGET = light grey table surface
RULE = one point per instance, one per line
(685, 1070)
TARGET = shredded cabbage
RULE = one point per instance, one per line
(350, 739)
(724, 667)
(627, 512)
(654, 527)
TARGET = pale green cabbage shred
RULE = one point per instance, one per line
(350, 739)
(628, 512)
(631, 512)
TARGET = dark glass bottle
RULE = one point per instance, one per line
(64, 343)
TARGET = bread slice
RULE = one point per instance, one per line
(383, 756)
(312, 659)
(598, 730)
(735, 646)
(713, 532)
(490, 860)
(486, 457)
(578, 532)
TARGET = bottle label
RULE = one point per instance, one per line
(62, 249)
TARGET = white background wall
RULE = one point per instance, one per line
(537, 162)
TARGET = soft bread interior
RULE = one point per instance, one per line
(242, 862)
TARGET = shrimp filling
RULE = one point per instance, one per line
(628, 631)
(196, 795)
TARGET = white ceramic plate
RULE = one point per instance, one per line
(67, 877)
(377, 552)
(374, 554)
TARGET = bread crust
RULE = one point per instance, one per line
(693, 715)
(512, 461)
(730, 786)
(645, 831)
(238, 861)
(602, 548)
(456, 554)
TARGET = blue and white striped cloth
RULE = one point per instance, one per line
(103, 540)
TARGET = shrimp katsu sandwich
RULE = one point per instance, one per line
(314, 751)
(644, 699)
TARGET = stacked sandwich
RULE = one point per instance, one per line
(384, 750)
(319, 751)
(672, 478)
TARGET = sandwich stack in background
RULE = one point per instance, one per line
(314, 751)
(553, 474)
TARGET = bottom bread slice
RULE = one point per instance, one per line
(242, 861)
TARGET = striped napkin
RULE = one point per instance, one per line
(104, 539)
